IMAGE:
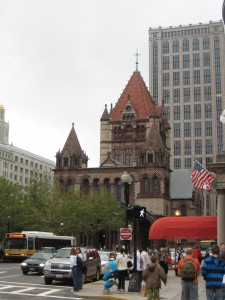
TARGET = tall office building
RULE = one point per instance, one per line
(187, 76)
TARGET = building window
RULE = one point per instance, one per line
(176, 62)
(16, 158)
(186, 61)
(166, 62)
(198, 147)
(176, 95)
(176, 115)
(167, 112)
(197, 94)
(166, 96)
(208, 146)
(176, 78)
(207, 92)
(166, 47)
(207, 76)
(177, 149)
(195, 44)
(146, 185)
(166, 79)
(187, 129)
(206, 59)
(155, 185)
(176, 46)
(186, 77)
(197, 111)
(176, 130)
(187, 147)
(177, 163)
(187, 112)
(187, 163)
(208, 111)
(186, 94)
(208, 128)
(96, 185)
(185, 45)
(196, 60)
(198, 129)
(205, 43)
(196, 76)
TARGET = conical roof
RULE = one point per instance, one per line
(140, 99)
(72, 145)
(154, 140)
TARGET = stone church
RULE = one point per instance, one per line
(134, 136)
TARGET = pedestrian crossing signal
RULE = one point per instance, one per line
(139, 212)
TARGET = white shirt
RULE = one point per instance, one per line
(121, 261)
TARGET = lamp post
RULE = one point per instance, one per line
(177, 214)
(8, 223)
(61, 227)
(126, 180)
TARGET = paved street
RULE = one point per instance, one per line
(15, 286)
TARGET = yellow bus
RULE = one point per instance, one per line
(24, 244)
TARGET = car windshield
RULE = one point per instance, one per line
(42, 255)
(63, 253)
(104, 256)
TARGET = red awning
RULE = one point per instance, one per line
(195, 228)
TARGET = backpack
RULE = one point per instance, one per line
(188, 272)
(80, 263)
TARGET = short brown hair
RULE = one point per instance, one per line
(215, 249)
(154, 259)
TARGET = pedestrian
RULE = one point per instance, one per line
(145, 257)
(213, 270)
(179, 253)
(152, 276)
(222, 257)
(80, 270)
(222, 249)
(139, 265)
(122, 270)
(197, 254)
(188, 270)
(73, 265)
(162, 258)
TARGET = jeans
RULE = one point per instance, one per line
(153, 294)
(214, 294)
(75, 273)
(189, 290)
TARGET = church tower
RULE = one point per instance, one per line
(4, 127)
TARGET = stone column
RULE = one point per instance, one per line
(221, 217)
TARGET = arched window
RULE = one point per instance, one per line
(96, 185)
(146, 185)
(118, 189)
(175, 46)
(129, 131)
(166, 47)
(183, 210)
(155, 185)
(85, 187)
(185, 45)
(106, 184)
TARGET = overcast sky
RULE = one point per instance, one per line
(61, 61)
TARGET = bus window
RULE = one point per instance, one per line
(30, 244)
(14, 243)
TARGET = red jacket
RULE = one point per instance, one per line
(197, 254)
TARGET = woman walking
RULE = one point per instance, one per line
(121, 262)
(75, 272)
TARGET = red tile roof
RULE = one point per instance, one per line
(140, 99)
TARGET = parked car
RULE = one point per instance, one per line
(105, 256)
(36, 262)
(58, 268)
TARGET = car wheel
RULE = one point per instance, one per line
(25, 272)
(48, 280)
(97, 276)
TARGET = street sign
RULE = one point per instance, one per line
(125, 234)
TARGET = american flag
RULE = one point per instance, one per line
(201, 178)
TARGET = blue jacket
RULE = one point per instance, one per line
(213, 270)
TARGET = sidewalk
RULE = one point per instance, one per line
(171, 291)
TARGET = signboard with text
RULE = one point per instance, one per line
(125, 234)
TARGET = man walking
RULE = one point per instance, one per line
(213, 270)
(188, 269)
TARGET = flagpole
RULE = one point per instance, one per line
(202, 165)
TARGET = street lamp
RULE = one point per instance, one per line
(61, 226)
(177, 214)
(126, 180)
(8, 218)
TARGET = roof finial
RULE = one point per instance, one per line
(72, 124)
(137, 54)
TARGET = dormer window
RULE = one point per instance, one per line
(128, 108)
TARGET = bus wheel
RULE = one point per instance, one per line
(48, 280)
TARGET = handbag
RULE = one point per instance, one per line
(168, 260)
(143, 291)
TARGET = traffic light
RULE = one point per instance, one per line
(139, 212)
(136, 212)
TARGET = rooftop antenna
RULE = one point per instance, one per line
(137, 54)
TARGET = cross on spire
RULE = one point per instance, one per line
(137, 54)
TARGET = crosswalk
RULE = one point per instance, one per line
(37, 291)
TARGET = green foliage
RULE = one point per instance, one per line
(42, 206)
